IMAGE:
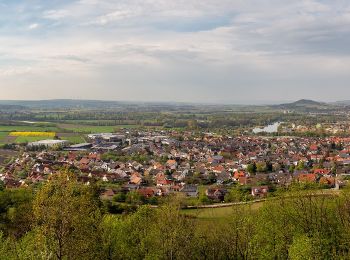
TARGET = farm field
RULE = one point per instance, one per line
(96, 122)
(74, 139)
(213, 214)
(3, 136)
(87, 129)
(28, 139)
(93, 129)
(30, 133)
(36, 134)
(27, 128)
(73, 132)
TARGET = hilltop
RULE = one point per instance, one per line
(304, 105)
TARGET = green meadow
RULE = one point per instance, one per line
(223, 213)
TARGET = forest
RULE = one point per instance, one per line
(64, 219)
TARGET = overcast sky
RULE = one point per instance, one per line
(232, 51)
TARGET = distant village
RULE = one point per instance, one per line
(160, 163)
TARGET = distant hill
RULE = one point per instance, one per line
(11, 107)
(95, 104)
(307, 102)
(304, 104)
(61, 103)
(342, 103)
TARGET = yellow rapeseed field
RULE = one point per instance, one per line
(36, 134)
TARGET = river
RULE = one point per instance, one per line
(272, 128)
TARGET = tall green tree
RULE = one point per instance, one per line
(67, 218)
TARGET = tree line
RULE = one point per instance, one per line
(66, 220)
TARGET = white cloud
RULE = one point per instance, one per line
(33, 26)
(11, 71)
(114, 16)
(56, 14)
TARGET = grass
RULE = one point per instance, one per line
(74, 139)
(26, 128)
(210, 214)
(93, 122)
(28, 139)
(89, 129)
(214, 214)
(93, 129)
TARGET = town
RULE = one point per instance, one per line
(203, 167)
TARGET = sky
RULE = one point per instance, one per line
(208, 51)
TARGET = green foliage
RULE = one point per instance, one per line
(261, 167)
(113, 156)
(162, 233)
(226, 155)
(68, 223)
(236, 195)
(119, 197)
(134, 198)
(8, 146)
(66, 218)
(251, 168)
(301, 165)
(204, 199)
(15, 212)
(301, 248)
(110, 156)
(291, 168)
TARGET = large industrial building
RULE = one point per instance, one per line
(49, 143)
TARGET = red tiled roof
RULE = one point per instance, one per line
(308, 177)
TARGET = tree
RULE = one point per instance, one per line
(173, 234)
(301, 248)
(119, 197)
(301, 165)
(291, 168)
(134, 198)
(261, 167)
(203, 198)
(235, 195)
(66, 218)
(130, 237)
(15, 212)
(192, 124)
(251, 168)
(6, 251)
